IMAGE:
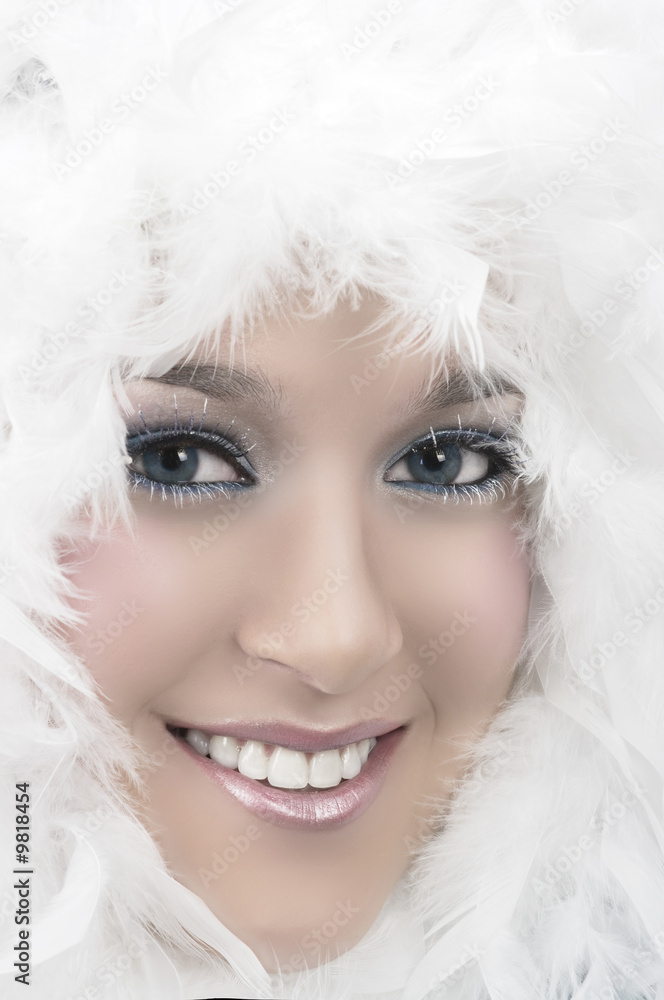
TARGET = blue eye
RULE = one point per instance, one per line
(187, 462)
(183, 461)
(436, 466)
(174, 464)
(458, 463)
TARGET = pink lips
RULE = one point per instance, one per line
(319, 809)
(293, 737)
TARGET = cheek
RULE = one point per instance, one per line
(142, 616)
(471, 619)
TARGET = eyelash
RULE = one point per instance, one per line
(504, 455)
(222, 444)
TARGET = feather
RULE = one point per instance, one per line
(492, 171)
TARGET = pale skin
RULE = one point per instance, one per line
(411, 564)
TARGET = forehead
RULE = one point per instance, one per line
(345, 353)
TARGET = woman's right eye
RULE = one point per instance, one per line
(184, 465)
(197, 463)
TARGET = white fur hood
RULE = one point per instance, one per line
(509, 148)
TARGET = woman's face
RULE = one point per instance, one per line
(343, 587)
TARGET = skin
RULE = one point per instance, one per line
(414, 563)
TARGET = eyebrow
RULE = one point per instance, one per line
(223, 383)
(455, 389)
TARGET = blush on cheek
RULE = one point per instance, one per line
(478, 647)
(500, 601)
(152, 610)
(123, 605)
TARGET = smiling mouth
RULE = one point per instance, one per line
(278, 766)
(286, 786)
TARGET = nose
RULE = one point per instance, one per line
(318, 604)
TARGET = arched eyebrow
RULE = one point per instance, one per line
(224, 383)
(455, 388)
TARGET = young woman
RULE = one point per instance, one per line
(332, 574)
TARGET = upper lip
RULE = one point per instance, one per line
(292, 737)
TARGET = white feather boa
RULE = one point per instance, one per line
(511, 148)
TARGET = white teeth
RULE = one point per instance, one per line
(325, 769)
(197, 739)
(288, 768)
(283, 768)
(350, 761)
(252, 761)
(224, 750)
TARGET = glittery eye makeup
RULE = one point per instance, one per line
(458, 463)
(198, 460)
(284, 587)
(185, 460)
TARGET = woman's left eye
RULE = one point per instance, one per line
(450, 459)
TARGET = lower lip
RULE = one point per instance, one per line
(320, 809)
